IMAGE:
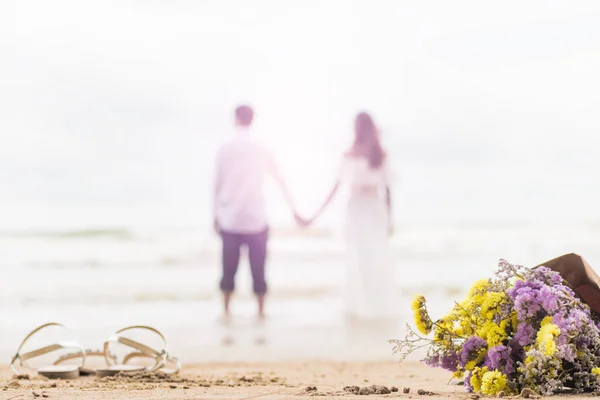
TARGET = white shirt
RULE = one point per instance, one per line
(242, 164)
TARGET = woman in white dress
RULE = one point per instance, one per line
(370, 285)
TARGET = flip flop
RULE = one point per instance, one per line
(84, 370)
(49, 371)
(160, 357)
(172, 362)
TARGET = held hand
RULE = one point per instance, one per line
(303, 223)
(216, 226)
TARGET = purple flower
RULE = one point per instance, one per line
(567, 352)
(524, 295)
(449, 361)
(500, 358)
(549, 299)
(496, 357)
(546, 276)
(470, 349)
(583, 342)
(525, 334)
(556, 279)
(571, 321)
(433, 361)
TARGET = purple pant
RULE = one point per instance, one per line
(257, 253)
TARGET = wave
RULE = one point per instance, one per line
(113, 233)
(118, 233)
(451, 292)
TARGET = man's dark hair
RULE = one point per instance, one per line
(244, 114)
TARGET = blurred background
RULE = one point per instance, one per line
(111, 113)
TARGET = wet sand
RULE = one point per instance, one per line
(278, 380)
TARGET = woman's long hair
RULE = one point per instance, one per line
(366, 141)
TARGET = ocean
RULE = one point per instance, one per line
(99, 280)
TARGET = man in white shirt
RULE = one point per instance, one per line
(239, 205)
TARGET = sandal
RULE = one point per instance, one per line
(83, 370)
(49, 371)
(173, 362)
(161, 358)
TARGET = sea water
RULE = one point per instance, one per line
(97, 281)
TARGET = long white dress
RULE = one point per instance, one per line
(370, 287)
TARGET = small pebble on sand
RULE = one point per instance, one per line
(364, 391)
(352, 389)
(13, 385)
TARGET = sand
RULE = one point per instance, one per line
(278, 380)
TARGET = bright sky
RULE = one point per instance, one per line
(122, 102)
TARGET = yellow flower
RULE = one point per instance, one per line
(596, 371)
(510, 323)
(478, 291)
(477, 377)
(458, 374)
(515, 320)
(470, 366)
(444, 332)
(491, 302)
(463, 315)
(465, 328)
(546, 335)
(422, 320)
(492, 333)
(493, 382)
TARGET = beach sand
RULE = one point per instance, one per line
(277, 380)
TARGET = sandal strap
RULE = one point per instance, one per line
(88, 353)
(169, 360)
(160, 357)
(22, 358)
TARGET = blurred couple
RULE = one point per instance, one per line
(240, 217)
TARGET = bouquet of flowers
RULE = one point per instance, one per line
(523, 328)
